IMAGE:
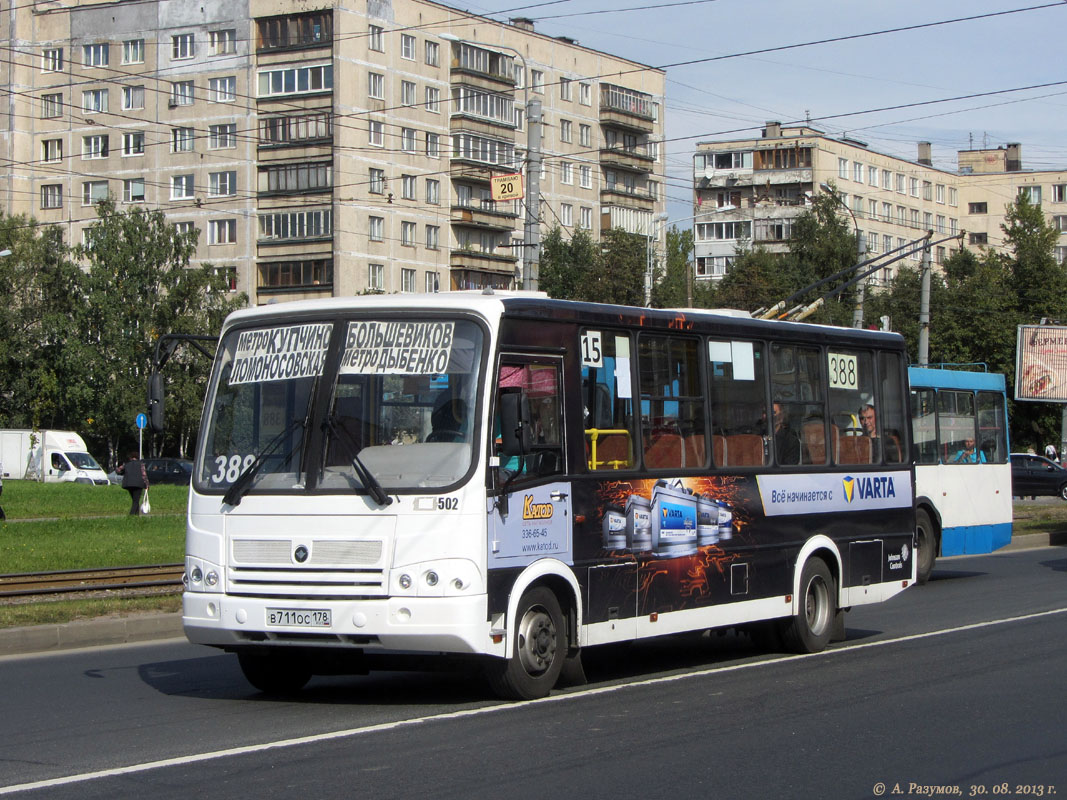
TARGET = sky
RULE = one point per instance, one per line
(734, 90)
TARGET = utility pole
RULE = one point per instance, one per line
(531, 240)
(924, 310)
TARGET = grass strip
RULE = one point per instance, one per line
(60, 611)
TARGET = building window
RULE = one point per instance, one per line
(586, 217)
(1059, 222)
(133, 190)
(433, 54)
(1059, 193)
(94, 192)
(1060, 254)
(51, 106)
(376, 133)
(133, 143)
(376, 277)
(433, 191)
(132, 98)
(900, 183)
(94, 101)
(181, 140)
(95, 55)
(433, 235)
(223, 90)
(977, 208)
(184, 228)
(565, 89)
(377, 181)
(857, 172)
(407, 93)
(376, 85)
(487, 151)
(375, 40)
(977, 238)
(52, 195)
(133, 51)
(913, 187)
(928, 191)
(431, 283)
(565, 130)
(407, 46)
(95, 146)
(297, 30)
(842, 168)
(953, 196)
(222, 136)
(407, 187)
(182, 46)
(222, 231)
(887, 179)
(433, 145)
(872, 242)
(940, 193)
(872, 176)
(228, 276)
(566, 172)
(537, 81)
(566, 215)
(584, 135)
(940, 223)
(295, 80)
(308, 177)
(181, 93)
(887, 212)
(377, 229)
(407, 234)
(585, 94)
(293, 128)
(52, 150)
(407, 280)
(52, 60)
(1031, 193)
(181, 187)
(223, 42)
(409, 140)
(887, 243)
(585, 176)
(222, 184)
(433, 99)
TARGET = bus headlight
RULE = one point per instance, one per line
(441, 578)
(431, 578)
(201, 576)
(405, 581)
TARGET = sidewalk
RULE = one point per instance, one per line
(150, 627)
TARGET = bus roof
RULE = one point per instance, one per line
(928, 377)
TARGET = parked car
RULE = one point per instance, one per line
(171, 470)
(1033, 475)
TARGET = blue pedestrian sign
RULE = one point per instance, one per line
(142, 421)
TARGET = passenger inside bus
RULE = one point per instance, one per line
(890, 442)
(448, 420)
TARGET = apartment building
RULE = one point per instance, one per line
(324, 150)
(751, 191)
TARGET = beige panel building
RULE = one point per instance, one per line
(329, 150)
(750, 191)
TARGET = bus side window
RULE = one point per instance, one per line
(738, 394)
(539, 384)
(607, 400)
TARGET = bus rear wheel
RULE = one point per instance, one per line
(925, 546)
(274, 673)
(810, 629)
(539, 649)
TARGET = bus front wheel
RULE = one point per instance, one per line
(810, 629)
(274, 673)
(539, 649)
(925, 546)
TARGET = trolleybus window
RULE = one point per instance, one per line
(796, 393)
(672, 402)
(738, 403)
(992, 436)
(607, 400)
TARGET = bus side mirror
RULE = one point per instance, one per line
(155, 402)
(515, 428)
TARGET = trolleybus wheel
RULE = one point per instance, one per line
(540, 648)
(926, 545)
(274, 673)
(809, 630)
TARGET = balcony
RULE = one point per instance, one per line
(621, 195)
(483, 218)
(481, 261)
(625, 108)
(481, 68)
(632, 159)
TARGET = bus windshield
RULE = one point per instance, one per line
(391, 409)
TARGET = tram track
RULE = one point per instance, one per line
(158, 577)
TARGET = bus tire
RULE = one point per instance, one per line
(809, 630)
(925, 546)
(540, 647)
(274, 673)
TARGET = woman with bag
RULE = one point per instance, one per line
(135, 481)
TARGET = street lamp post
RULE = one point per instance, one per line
(531, 237)
(861, 250)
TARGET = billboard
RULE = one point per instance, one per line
(1041, 363)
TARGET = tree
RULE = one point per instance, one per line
(822, 243)
(619, 275)
(1040, 282)
(139, 285)
(672, 285)
(756, 279)
(565, 264)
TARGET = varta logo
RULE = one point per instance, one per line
(532, 510)
(875, 487)
(672, 513)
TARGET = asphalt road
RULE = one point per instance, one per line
(955, 686)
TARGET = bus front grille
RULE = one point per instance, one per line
(305, 582)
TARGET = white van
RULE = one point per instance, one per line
(48, 456)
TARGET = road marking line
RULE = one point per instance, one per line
(472, 712)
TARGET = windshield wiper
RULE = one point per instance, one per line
(368, 480)
(239, 488)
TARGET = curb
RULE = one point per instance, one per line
(150, 627)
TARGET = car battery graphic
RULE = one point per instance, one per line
(638, 523)
(614, 528)
(707, 521)
(674, 520)
(726, 521)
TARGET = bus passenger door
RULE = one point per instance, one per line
(529, 499)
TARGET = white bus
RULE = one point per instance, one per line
(962, 471)
(508, 479)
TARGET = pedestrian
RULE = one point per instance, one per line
(1050, 452)
(134, 481)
